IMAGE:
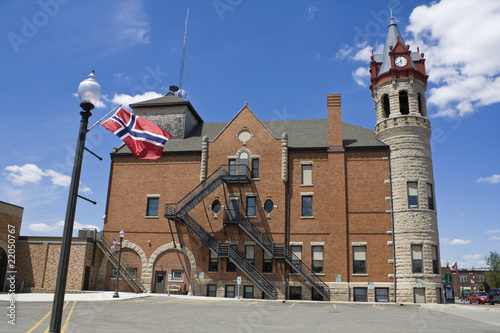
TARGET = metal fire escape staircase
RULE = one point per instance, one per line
(280, 251)
(179, 212)
(126, 273)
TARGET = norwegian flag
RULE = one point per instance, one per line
(116, 244)
(455, 267)
(143, 138)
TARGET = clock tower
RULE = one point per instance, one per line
(398, 85)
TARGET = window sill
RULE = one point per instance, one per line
(150, 217)
(359, 274)
(255, 178)
(306, 185)
(307, 217)
(251, 217)
(318, 274)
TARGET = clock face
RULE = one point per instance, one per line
(400, 61)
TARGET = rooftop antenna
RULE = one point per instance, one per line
(181, 94)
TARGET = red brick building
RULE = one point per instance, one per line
(297, 209)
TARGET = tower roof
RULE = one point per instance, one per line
(392, 38)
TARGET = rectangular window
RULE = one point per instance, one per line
(435, 261)
(480, 279)
(296, 258)
(267, 264)
(250, 253)
(232, 167)
(360, 295)
(152, 209)
(317, 259)
(416, 259)
(359, 259)
(463, 278)
(248, 292)
(177, 275)
(381, 294)
(213, 262)
(412, 195)
(255, 168)
(230, 291)
(307, 171)
(307, 205)
(251, 206)
(231, 267)
(211, 290)
(430, 197)
(295, 292)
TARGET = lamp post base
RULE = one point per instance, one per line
(115, 295)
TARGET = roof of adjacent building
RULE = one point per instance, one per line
(302, 134)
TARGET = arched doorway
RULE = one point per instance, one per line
(176, 264)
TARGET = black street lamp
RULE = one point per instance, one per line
(89, 92)
(122, 234)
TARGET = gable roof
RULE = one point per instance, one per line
(302, 134)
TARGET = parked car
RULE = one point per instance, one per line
(479, 297)
(494, 296)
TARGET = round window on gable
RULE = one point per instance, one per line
(216, 206)
(268, 206)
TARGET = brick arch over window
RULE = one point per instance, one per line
(158, 252)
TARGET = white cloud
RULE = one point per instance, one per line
(494, 238)
(58, 179)
(471, 260)
(311, 11)
(492, 180)
(362, 76)
(459, 39)
(126, 100)
(456, 241)
(130, 23)
(45, 228)
(32, 174)
(28, 173)
(492, 231)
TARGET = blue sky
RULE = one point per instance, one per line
(282, 57)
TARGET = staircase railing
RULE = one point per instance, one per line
(224, 250)
(126, 272)
(281, 251)
(200, 192)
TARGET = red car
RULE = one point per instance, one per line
(479, 297)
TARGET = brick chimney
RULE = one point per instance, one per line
(334, 122)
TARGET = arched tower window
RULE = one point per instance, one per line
(385, 104)
(404, 107)
(419, 96)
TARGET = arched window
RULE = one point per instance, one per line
(403, 102)
(420, 104)
(386, 106)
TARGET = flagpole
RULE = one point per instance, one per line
(100, 120)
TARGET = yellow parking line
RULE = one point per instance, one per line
(41, 321)
(378, 307)
(292, 305)
(64, 307)
(67, 319)
(334, 306)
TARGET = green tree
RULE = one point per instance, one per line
(493, 260)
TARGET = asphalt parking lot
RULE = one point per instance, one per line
(151, 313)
